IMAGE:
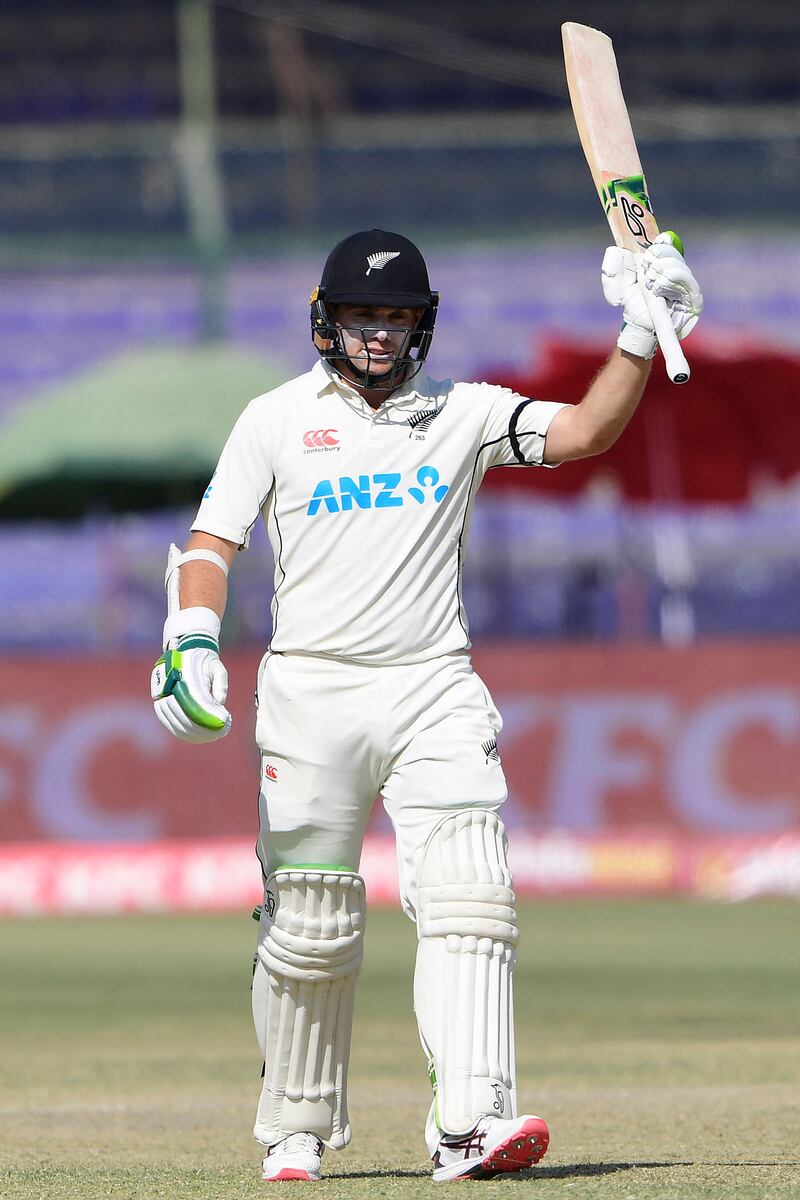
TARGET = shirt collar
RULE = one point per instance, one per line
(419, 387)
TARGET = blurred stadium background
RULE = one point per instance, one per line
(172, 174)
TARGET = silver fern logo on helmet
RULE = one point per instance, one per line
(377, 261)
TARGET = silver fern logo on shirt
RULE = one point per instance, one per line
(378, 260)
(492, 755)
(421, 422)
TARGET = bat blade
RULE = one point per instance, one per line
(606, 135)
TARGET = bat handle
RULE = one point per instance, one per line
(172, 582)
(674, 358)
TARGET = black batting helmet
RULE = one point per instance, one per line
(377, 269)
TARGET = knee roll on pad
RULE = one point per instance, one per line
(467, 926)
(309, 954)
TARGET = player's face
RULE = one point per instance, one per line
(373, 337)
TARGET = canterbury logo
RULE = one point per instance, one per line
(320, 437)
(421, 422)
(377, 261)
(270, 772)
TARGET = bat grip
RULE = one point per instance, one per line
(674, 358)
(173, 586)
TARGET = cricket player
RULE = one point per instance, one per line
(364, 471)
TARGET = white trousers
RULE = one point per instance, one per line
(333, 735)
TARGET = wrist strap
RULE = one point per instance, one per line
(191, 620)
(638, 341)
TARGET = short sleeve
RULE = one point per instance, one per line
(516, 428)
(239, 486)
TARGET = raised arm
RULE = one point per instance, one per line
(595, 424)
(591, 427)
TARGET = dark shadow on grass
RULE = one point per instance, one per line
(378, 1174)
(568, 1171)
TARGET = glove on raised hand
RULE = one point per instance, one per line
(189, 686)
(663, 271)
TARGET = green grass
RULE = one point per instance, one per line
(661, 1040)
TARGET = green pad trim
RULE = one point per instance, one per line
(314, 867)
(434, 1085)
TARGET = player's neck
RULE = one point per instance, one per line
(375, 397)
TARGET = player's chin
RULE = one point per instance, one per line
(377, 366)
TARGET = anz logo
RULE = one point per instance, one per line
(383, 490)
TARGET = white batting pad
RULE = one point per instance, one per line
(309, 954)
(463, 996)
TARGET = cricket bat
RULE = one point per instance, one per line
(606, 135)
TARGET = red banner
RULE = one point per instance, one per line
(703, 741)
(725, 457)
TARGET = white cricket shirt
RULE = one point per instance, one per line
(367, 511)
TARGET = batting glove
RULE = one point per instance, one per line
(662, 270)
(189, 686)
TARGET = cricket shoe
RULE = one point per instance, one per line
(493, 1147)
(298, 1156)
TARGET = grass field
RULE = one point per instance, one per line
(660, 1039)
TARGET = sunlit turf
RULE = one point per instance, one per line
(660, 1039)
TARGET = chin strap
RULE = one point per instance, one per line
(379, 383)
